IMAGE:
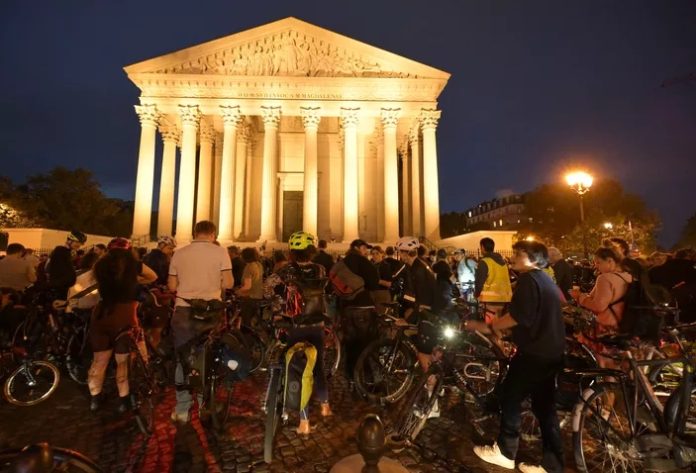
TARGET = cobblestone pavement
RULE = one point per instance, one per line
(114, 442)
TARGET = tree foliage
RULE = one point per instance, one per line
(688, 234)
(64, 199)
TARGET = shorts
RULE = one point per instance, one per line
(104, 330)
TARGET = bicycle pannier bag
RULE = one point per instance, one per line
(346, 283)
(299, 375)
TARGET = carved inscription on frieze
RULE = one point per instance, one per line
(289, 53)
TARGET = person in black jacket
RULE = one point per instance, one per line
(359, 315)
(562, 271)
(322, 257)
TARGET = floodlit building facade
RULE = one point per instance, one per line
(284, 127)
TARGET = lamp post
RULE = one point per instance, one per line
(580, 182)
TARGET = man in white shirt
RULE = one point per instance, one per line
(16, 272)
(199, 271)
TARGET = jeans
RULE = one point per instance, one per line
(184, 330)
(359, 329)
(536, 377)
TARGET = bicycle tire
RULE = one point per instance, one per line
(371, 358)
(12, 381)
(142, 390)
(672, 409)
(417, 408)
(64, 459)
(219, 411)
(273, 412)
(332, 351)
(595, 428)
(254, 346)
(79, 358)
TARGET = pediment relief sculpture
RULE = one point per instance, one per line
(289, 53)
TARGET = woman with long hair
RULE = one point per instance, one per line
(118, 274)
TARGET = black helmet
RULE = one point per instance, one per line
(78, 236)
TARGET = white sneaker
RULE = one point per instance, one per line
(491, 454)
(527, 468)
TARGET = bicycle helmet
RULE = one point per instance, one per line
(301, 240)
(78, 236)
(407, 243)
(119, 243)
(166, 241)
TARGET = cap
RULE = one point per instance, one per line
(358, 243)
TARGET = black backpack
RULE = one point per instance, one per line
(638, 318)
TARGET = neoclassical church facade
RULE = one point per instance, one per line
(284, 127)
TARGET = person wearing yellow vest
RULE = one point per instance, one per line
(492, 286)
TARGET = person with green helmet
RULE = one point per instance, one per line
(302, 288)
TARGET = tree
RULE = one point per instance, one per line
(555, 216)
(65, 199)
(688, 234)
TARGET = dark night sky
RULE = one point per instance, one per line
(536, 85)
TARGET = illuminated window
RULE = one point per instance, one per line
(500, 222)
(494, 224)
(469, 213)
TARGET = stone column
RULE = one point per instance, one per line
(205, 171)
(231, 118)
(405, 190)
(190, 116)
(390, 118)
(217, 157)
(431, 189)
(239, 178)
(245, 138)
(310, 118)
(349, 122)
(416, 218)
(142, 213)
(165, 215)
(271, 120)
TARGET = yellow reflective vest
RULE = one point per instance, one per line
(497, 287)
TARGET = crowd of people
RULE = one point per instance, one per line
(522, 294)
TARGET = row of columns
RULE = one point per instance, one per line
(233, 185)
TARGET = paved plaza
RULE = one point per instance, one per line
(115, 443)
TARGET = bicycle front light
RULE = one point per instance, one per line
(449, 332)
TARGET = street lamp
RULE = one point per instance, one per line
(608, 226)
(580, 182)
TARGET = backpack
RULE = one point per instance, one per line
(638, 319)
(299, 375)
(346, 284)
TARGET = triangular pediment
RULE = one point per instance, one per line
(287, 48)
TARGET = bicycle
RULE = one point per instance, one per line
(387, 367)
(620, 423)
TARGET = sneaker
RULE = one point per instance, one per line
(491, 454)
(527, 468)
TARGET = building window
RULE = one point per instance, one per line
(469, 213)
(494, 224)
(500, 222)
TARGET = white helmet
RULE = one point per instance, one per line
(166, 241)
(407, 243)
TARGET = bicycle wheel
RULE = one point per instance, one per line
(419, 406)
(219, 401)
(332, 351)
(672, 410)
(79, 357)
(602, 437)
(31, 383)
(384, 370)
(274, 409)
(481, 363)
(254, 347)
(64, 460)
(143, 389)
